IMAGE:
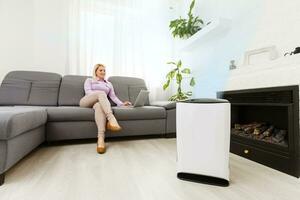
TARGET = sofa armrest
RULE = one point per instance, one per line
(166, 104)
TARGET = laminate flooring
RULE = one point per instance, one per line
(134, 170)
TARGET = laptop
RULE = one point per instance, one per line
(141, 99)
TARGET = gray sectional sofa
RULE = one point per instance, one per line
(39, 106)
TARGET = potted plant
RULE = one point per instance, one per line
(185, 28)
(178, 72)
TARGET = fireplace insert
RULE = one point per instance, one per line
(265, 126)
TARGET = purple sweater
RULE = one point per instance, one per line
(91, 85)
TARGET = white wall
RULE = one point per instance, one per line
(255, 24)
(50, 35)
(16, 34)
(33, 35)
(210, 60)
(278, 25)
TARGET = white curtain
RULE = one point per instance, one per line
(131, 37)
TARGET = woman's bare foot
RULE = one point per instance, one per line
(101, 145)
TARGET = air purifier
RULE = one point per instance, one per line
(203, 140)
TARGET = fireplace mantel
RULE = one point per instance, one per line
(280, 72)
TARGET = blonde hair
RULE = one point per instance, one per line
(95, 69)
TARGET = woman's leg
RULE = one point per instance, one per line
(101, 122)
(102, 107)
(106, 107)
(89, 100)
(101, 97)
(100, 119)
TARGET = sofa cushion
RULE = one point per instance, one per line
(75, 113)
(71, 90)
(70, 113)
(166, 104)
(139, 113)
(128, 88)
(30, 88)
(17, 120)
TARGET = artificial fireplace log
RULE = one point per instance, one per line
(269, 131)
(260, 130)
(243, 126)
(248, 128)
(236, 131)
(240, 126)
(279, 136)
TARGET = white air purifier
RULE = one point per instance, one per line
(203, 140)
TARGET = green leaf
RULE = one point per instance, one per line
(173, 97)
(168, 76)
(179, 96)
(171, 63)
(178, 78)
(166, 85)
(179, 64)
(192, 6)
(185, 28)
(192, 82)
(186, 71)
(173, 72)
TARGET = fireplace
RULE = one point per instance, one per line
(265, 126)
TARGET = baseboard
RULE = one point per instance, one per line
(170, 135)
(2, 177)
(108, 139)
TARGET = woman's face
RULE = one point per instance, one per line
(100, 72)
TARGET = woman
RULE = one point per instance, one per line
(96, 91)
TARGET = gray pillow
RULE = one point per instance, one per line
(134, 92)
(14, 92)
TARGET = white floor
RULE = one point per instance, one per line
(136, 169)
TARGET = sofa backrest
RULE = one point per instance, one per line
(128, 88)
(30, 88)
(72, 89)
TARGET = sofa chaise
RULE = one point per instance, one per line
(39, 106)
